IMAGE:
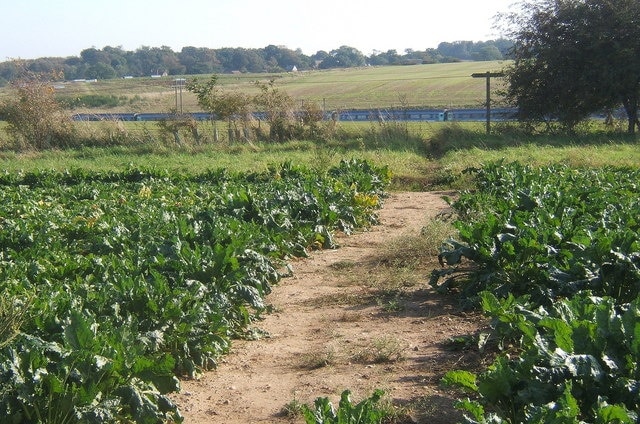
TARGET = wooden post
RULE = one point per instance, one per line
(488, 76)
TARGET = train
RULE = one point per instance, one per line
(352, 115)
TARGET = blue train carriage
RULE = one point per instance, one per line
(103, 117)
(354, 115)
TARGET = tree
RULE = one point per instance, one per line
(117, 60)
(457, 49)
(155, 60)
(93, 56)
(573, 58)
(199, 60)
(391, 57)
(229, 106)
(34, 116)
(170, 61)
(100, 71)
(344, 57)
(487, 52)
(280, 58)
(279, 110)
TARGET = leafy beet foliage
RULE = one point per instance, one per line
(548, 233)
(552, 255)
(132, 278)
(367, 411)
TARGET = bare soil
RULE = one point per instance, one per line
(334, 325)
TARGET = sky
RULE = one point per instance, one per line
(45, 28)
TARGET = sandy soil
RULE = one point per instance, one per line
(331, 330)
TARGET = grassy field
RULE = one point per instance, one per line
(409, 165)
(432, 86)
(436, 85)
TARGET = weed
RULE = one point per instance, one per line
(416, 251)
(292, 409)
(381, 350)
(351, 317)
(319, 359)
(334, 299)
(13, 312)
(324, 158)
(392, 303)
(343, 265)
(35, 119)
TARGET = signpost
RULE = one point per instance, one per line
(488, 76)
(178, 84)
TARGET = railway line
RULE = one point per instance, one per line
(354, 115)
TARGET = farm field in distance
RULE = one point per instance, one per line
(430, 86)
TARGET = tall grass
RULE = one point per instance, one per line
(457, 147)
(422, 156)
(190, 158)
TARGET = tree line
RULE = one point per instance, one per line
(114, 62)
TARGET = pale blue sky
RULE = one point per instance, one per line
(37, 28)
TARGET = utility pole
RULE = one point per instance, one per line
(488, 75)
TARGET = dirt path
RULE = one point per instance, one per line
(330, 330)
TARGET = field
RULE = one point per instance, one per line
(304, 268)
(430, 86)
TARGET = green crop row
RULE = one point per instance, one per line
(553, 257)
(126, 280)
(547, 232)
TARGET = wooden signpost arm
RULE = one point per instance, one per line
(488, 76)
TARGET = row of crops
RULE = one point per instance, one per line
(553, 257)
(115, 283)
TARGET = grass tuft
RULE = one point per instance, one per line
(381, 350)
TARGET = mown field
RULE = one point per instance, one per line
(430, 86)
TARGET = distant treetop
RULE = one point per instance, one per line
(114, 62)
